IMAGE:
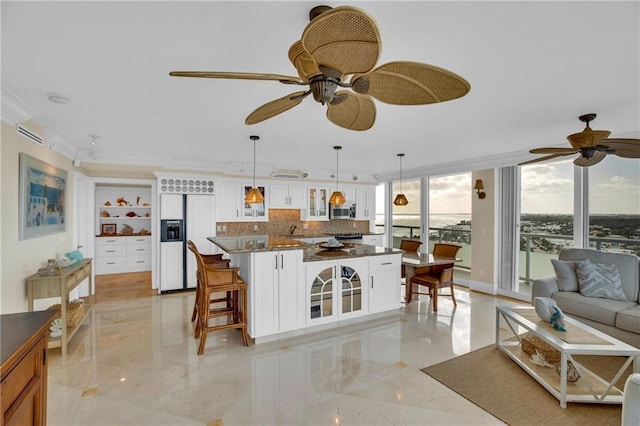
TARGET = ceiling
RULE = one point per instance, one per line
(534, 67)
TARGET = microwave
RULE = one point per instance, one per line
(342, 211)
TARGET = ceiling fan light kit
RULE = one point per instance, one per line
(592, 145)
(337, 197)
(254, 196)
(341, 42)
(400, 199)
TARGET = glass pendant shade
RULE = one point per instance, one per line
(337, 198)
(400, 200)
(254, 196)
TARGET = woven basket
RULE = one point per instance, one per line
(531, 344)
(75, 312)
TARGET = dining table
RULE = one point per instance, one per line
(413, 261)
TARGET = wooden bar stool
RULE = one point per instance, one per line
(220, 280)
(215, 260)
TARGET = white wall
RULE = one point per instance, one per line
(19, 259)
(483, 242)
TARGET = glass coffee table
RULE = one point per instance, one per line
(579, 339)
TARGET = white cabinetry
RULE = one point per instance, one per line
(336, 290)
(317, 207)
(228, 202)
(384, 283)
(373, 240)
(116, 255)
(119, 206)
(365, 204)
(276, 297)
(287, 196)
(255, 212)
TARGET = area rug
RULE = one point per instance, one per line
(492, 381)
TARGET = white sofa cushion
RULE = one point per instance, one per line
(595, 308)
(600, 280)
(566, 274)
(629, 319)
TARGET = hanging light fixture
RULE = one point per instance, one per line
(337, 197)
(400, 199)
(254, 196)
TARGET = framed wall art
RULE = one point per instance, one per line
(42, 198)
(108, 229)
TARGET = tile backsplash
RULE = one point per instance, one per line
(281, 221)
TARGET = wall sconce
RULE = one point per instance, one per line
(478, 187)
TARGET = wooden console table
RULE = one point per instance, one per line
(45, 286)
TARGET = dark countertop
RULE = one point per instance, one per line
(17, 329)
(312, 252)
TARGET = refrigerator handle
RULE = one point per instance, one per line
(276, 264)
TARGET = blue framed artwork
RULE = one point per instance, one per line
(42, 198)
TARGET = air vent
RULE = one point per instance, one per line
(33, 137)
(186, 186)
(286, 174)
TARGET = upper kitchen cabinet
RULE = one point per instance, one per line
(365, 204)
(228, 202)
(287, 196)
(317, 207)
(255, 212)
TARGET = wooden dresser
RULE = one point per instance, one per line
(43, 286)
(23, 372)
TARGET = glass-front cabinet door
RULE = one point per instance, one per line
(322, 204)
(336, 290)
(317, 204)
(254, 211)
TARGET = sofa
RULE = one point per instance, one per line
(601, 289)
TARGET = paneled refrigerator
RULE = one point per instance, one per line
(184, 217)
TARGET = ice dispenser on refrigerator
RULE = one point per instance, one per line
(171, 230)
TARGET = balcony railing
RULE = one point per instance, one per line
(536, 249)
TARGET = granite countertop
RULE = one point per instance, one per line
(312, 252)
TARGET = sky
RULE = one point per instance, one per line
(614, 188)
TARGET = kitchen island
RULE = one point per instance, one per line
(295, 287)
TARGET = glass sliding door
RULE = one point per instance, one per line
(546, 219)
(614, 205)
(406, 219)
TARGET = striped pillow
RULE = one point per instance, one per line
(599, 280)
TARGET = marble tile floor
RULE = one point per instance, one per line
(135, 363)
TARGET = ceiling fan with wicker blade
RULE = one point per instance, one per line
(340, 42)
(592, 145)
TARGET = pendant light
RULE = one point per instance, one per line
(337, 197)
(254, 196)
(400, 199)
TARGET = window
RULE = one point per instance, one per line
(614, 205)
(406, 219)
(546, 218)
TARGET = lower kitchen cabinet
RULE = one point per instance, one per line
(276, 298)
(115, 255)
(384, 283)
(336, 290)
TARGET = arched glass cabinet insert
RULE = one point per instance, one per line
(351, 290)
(322, 294)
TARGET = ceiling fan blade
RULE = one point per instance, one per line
(276, 107)
(621, 143)
(565, 151)
(410, 83)
(237, 76)
(545, 158)
(344, 38)
(627, 153)
(303, 61)
(585, 162)
(351, 111)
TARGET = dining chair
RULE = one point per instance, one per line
(209, 259)
(437, 276)
(408, 245)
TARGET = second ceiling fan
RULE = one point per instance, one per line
(345, 41)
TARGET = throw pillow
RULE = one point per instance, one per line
(600, 280)
(566, 274)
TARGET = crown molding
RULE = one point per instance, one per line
(14, 109)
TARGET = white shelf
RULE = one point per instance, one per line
(125, 207)
(124, 218)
